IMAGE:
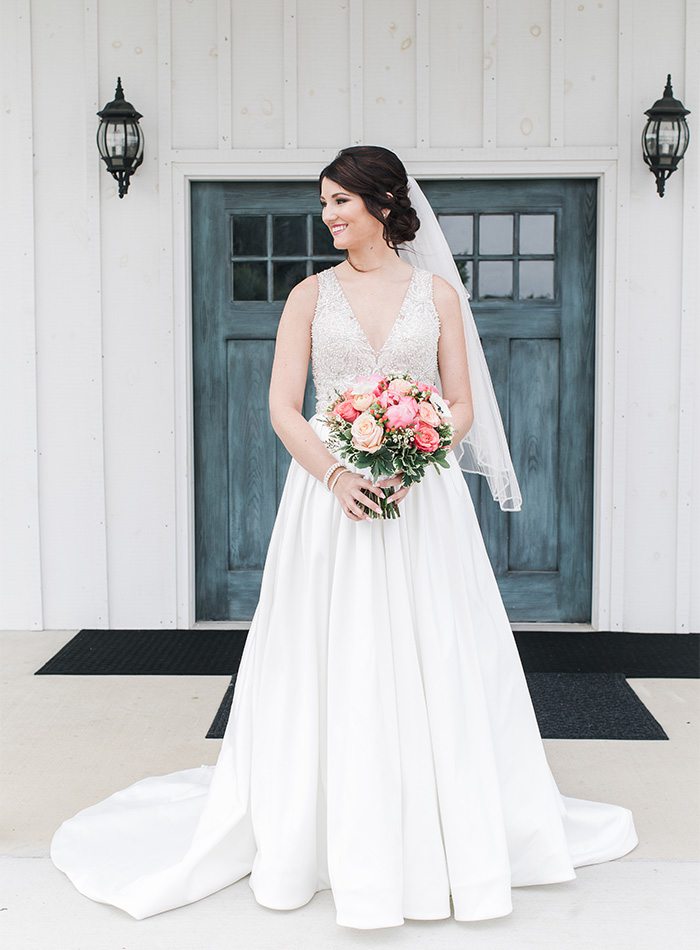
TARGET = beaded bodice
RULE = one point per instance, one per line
(340, 350)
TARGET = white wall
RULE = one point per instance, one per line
(94, 517)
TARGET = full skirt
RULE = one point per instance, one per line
(381, 741)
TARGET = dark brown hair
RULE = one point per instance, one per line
(370, 171)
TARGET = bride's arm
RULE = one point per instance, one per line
(452, 358)
(288, 380)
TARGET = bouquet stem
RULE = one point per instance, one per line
(389, 509)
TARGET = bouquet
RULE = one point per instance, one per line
(392, 425)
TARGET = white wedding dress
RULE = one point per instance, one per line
(382, 741)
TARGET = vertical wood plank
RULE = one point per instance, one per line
(489, 90)
(523, 84)
(223, 72)
(258, 67)
(456, 74)
(389, 48)
(534, 427)
(68, 326)
(618, 468)
(20, 527)
(590, 70)
(92, 268)
(324, 72)
(688, 388)
(422, 73)
(356, 68)
(557, 51)
(194, 56)
(291, 93)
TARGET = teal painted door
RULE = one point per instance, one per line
(526, 251)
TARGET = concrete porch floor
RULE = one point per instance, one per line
(68, 741)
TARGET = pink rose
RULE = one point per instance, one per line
(429, 386)
(367, 434)
(426, 438)
(427, 413)
(388, 398)
(346, 411)
(402, 414)
(401, 386)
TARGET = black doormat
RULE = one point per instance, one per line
(149, 653)
(567, 706)
(218, 653)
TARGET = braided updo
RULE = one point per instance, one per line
(371, 171)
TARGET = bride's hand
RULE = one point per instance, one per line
(399, 492)
(348, 490)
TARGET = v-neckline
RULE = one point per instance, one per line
(351, 312)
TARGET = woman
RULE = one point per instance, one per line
(381, 741)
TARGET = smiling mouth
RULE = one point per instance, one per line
(338, 228)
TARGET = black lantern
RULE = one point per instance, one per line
(120, 139)
(665, 137)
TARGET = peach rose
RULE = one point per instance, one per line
(426, 438)
(346, 411)
(362, 401)
(428, 414)
(402, 414)
(367, 434)
(401, 386)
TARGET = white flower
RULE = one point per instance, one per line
(441, 405)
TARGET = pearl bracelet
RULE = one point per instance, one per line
(329, 472)
(334, 478)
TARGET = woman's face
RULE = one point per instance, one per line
(345, 215)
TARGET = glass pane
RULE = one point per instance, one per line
(289, 234)
(537, 280)
(495, 279)
(459, 231)
(496, 234)
(537, 234)
(466, 269)
(285, 276)
(250, 280)
(322, 238)
(250, 234)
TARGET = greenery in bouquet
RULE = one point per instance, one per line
(391, 424)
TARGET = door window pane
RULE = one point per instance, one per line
(537, 234)
(537, 280)
(459, 231)
(495, 279)
(465, 269)
(285, 275)
(289, 234)
(322, 238)
(249, 234)
(496, 234)
(250, 280)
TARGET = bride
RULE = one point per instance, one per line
(382, 741)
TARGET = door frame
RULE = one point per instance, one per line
(611, 346)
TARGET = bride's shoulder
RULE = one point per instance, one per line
(443, 291)
(302, 299)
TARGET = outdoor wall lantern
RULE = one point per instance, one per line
(665, 137)
(120, 139)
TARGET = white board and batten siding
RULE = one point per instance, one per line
(96, 474)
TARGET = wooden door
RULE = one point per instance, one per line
(526, 251)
